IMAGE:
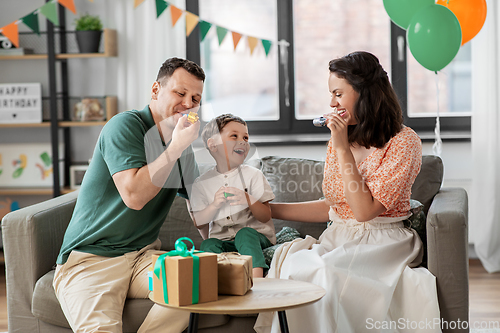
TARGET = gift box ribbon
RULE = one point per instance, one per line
(180, 250)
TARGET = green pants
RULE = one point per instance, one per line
(247, 241)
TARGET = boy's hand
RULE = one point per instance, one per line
(238, 197)
(219, 198)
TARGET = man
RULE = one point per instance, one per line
(124, 198)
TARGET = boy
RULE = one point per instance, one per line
(232, 198)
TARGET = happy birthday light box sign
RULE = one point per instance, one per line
(20, 103)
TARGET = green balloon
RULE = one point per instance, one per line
(401, 11)
(434, 37)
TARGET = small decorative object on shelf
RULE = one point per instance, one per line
(6, 48)
(88, 109)
(76, 173)
(88, 33)
(20, 103)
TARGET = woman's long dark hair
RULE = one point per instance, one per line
(378, 113)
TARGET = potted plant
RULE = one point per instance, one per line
(88, 33)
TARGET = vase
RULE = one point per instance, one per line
(88, 41)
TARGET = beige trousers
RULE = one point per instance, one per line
(92, 291)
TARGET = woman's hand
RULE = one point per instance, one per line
(338, 128)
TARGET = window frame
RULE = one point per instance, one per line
(288, 124)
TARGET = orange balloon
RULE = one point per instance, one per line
(471, 15)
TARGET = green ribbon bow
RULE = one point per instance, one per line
(180, 250)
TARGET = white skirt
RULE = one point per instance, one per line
(365, 269)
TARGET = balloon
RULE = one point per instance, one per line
(434, 37)
(401, 11)
(470, 13)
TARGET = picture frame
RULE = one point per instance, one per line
(28, 165)
(76, 173)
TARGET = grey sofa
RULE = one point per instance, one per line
(33, 235)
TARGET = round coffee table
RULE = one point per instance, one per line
(266, 295)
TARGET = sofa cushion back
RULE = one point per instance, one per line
(294, 180)
(428, 181)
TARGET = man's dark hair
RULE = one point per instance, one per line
(378, 113)
(216, 125)
(168, 68)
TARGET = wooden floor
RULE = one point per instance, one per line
(484, 296)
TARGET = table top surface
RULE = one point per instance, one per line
(266, 295)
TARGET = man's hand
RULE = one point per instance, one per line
(184, 134)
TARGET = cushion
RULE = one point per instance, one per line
(428, 181)
(286, 234)
(295, 180)
(417, 221)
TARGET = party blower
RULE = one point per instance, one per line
(321, 121)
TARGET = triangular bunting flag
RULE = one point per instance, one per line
(267, 45)
(49, 10)
(175, 13)
(236, 38)
(12, 33)
(161, 5)
(252, 43)
(221, 33)
(191, 22)
(136, 3)
(68, 4)
(204, 27)
(31, 20)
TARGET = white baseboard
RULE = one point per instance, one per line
(472, 252)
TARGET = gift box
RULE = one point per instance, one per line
(235, 273)
(186, 281)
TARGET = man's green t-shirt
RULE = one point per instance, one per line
(101, 223)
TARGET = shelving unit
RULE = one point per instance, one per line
(65, 124)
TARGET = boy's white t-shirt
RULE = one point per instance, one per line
(230, 219)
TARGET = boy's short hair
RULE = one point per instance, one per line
(216, 125)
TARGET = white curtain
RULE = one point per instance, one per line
(485, 193)
(144, 43)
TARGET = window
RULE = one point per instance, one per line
(419, 90)
(257, 86)
(239, 82)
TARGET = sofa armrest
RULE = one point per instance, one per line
(447, 246)
(32, 238)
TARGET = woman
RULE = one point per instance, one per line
(362, 259)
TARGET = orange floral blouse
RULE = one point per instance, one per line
(388, 172)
